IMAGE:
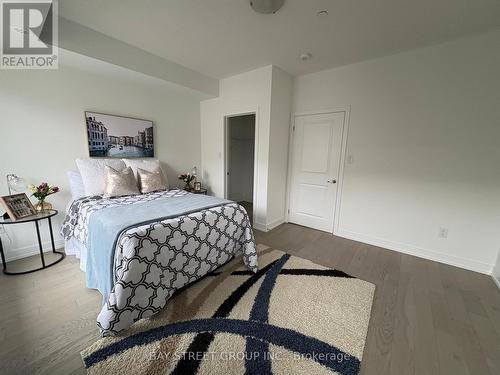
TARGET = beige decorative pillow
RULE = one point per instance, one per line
(150, 165)
(119, 183)
(150, 181)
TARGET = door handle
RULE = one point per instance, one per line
(332, 181)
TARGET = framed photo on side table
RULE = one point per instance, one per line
(18, 206)
(197, 186)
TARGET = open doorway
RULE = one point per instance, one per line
(240, 155)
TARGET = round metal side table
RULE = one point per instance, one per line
(47, 214)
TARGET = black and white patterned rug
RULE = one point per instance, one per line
(291, 317)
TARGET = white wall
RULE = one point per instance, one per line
(281, 106)
(241, 157)
(496, 271)
(244, 93)
(425, 141)
(42, 128)
(267, 92)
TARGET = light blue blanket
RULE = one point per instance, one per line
(105, 226)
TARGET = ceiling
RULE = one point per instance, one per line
(220, 38)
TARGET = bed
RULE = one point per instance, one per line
(138, 250)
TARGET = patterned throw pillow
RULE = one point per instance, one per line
(119, 183)
(150, 181)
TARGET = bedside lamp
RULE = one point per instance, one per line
(15, 183)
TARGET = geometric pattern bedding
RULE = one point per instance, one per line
(78, 216)
(154, 260)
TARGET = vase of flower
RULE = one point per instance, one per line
(41, 192)
(187, 178)
(41, 205)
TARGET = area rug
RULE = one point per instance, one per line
(291, 317)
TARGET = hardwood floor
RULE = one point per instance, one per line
(427, 318)
(47, 318)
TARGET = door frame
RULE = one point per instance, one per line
(255, 155)
(343, 151)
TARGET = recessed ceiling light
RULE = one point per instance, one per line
(305, 56)
(322, 13)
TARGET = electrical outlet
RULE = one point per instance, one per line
(443, 232)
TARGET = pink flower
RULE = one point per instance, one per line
(55, 189)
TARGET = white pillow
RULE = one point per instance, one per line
(76, 184)
(150, 165)
(92, 171)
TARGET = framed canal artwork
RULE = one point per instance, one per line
(113, 136)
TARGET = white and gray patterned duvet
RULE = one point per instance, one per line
(153, 260)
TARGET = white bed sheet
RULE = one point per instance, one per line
(76, 248)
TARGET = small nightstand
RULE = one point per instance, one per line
(47, 214)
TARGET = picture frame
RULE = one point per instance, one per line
(18, 206)
(113, 136)
(197, 186)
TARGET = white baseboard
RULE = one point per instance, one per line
(259, 226)
(23, 252)
(271, 225)
(496, 280)
(468, 264)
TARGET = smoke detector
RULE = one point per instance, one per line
(305, 56)
(266, 6)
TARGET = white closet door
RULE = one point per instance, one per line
(317, 143)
